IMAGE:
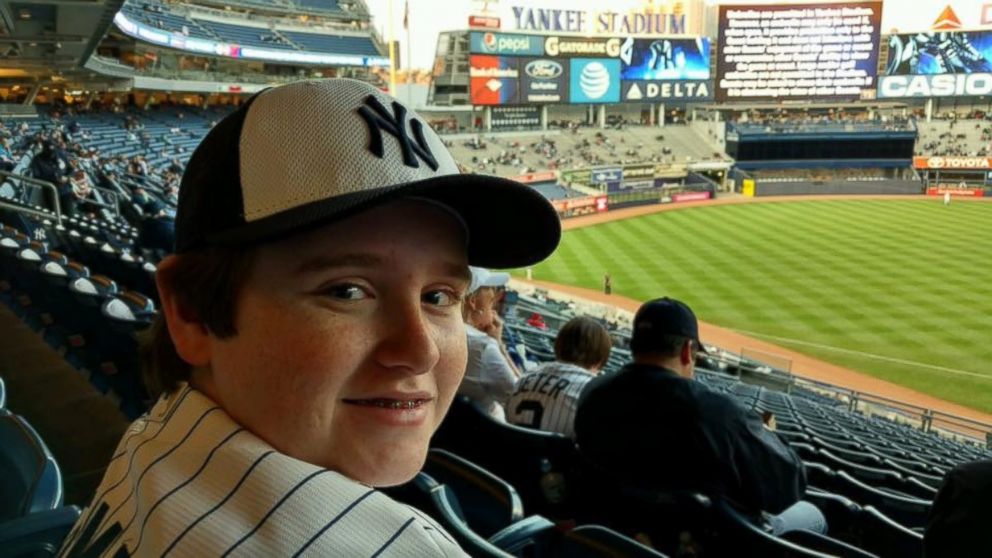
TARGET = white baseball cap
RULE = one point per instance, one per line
(482, 277)
(308, 153)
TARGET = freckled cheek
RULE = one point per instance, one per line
(451, 365)
(308, 363)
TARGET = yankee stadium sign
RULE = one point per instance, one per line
(657, 21)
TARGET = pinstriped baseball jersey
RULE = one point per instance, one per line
(546, 399)
(186, 480)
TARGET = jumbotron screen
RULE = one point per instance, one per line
(797, 51)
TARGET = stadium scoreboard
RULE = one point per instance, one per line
(523, 69)
(797, 51)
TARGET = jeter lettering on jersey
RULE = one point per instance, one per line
(545, 384)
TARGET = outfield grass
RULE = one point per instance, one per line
(898, 289)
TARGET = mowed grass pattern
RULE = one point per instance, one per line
(898, 289)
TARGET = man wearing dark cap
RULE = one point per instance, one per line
(310, 339)
(654, 428)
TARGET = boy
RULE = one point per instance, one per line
(310, 339)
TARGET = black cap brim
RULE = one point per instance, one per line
(508, 224)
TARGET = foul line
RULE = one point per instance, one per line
(864, 354)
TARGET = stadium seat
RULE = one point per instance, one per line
(30, 480)
(490, 502)
(595, 541)
(37, 535)
(3, 395)
(739, 532)
(427, 495)
(540, 465)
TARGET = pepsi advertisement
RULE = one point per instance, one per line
(505, 43)
(594, 80)
(665, 59)
(543, 80)
(493, 80)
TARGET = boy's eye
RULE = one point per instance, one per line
(345, 292)
(441, 298)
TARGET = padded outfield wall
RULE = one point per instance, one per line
(834, 187)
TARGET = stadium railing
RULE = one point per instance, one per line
(28, 186)
(799, 127)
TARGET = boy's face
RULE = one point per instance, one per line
(350, 344)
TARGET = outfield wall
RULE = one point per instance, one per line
(837, 187)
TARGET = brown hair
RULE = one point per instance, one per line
(583, 341)
(206, 284)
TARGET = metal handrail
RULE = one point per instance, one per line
(22, 180)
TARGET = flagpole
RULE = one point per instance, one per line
(392, 52)
(409, 60)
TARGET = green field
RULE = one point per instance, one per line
(898, 289)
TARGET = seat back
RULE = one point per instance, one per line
(488, 502)
(30, 479)
(738, 532)
(540, 465)
(595, 541)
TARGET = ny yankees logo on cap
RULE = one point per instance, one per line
(379, 119)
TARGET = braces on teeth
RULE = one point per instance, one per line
(396, 404)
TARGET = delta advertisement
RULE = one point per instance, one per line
(600, 70)
(938, 64)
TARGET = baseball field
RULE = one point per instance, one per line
(897, 289)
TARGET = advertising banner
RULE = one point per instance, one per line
(638, 172)
(603, 175)
(510, 118)
(579, 46)
(691, 196)
(652, 91)
(543, 80)
(953, 163)
(577, 176)
(665, 59)
(493, 80)
(955, 191)
(594, 80)
(483, 42)
(938, 64)
(797, 51)
(573, 207)
(530, 178)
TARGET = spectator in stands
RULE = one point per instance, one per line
(7, 161)
(547, 397)
(48, 166)
(312, 338)
(490, 375)
(961, 513)
(657, 429)
(82, 190)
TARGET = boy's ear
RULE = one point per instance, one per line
(189, 335)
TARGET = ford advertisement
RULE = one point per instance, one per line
(543, 80)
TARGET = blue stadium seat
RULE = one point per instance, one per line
(37, 535)
(30, 480)
(540, 465)
(595, 541)
(493, 502)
